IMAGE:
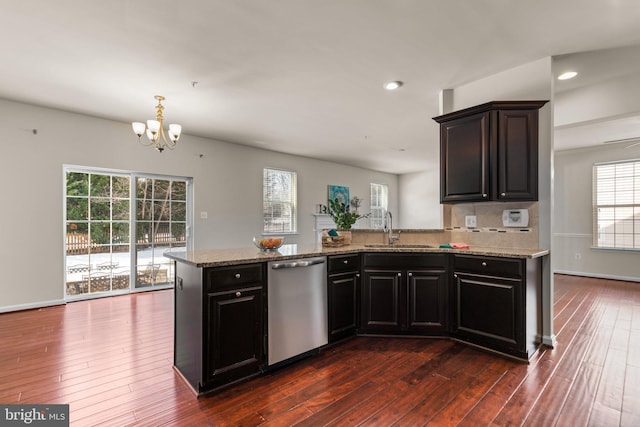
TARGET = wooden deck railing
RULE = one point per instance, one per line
(79, 243)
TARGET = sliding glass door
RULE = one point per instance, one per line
(161, 225)
(101, 254)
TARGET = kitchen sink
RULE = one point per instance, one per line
(396, 245)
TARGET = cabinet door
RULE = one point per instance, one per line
(235, 328)
(342, 302)
(427, 299)
(517, 155)
(464, 159)
(381, 296)
(489, 311)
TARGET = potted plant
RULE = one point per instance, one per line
(343, 217)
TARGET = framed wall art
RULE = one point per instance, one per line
(339, 192)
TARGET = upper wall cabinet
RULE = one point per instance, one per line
(490, 152)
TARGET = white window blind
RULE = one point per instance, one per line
(279, 201)
(379, 204)
(616, 205)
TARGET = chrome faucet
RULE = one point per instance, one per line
(388, 225)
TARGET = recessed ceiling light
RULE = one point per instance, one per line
(567, 75)
(393, 85)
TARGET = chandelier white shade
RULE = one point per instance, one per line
(155, 130)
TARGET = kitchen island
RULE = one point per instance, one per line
(486, 297)
(203, 258)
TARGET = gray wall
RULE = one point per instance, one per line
(227, 184)
(420, 196)
(605, 99)
(574, 216)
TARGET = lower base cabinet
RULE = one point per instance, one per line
(219, 324)
(343, 289)
(492, 302)
(404, 294)
(496, 303)
(234, 323)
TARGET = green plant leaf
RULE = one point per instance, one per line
(341, 214)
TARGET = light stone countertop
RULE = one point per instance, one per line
(234, 256)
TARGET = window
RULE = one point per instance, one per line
(117, 227)
(279, 196)
(379, 204)
(616, 205)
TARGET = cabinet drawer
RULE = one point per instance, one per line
(220, 278)
(405, 261)
(491, 266)
(340, 263)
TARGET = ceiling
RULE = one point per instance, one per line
(595, 68)
(298, 76)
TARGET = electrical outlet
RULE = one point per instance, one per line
(577, 256)
(204, 215)
(470, 221)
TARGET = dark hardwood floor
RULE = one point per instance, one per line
(111, 360)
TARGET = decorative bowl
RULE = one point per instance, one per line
(270, 243)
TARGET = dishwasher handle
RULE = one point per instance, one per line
(298, 263)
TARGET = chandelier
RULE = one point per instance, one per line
(155, 130)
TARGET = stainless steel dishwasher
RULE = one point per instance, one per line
(297, 307)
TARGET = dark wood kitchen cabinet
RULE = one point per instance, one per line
(234, 324)
(496, 303)
(343, 288)
(404, 293)
(490, 152)
(219, 324)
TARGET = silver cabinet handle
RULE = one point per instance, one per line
(484, 196)
(410, 274)
(346, 261)
(484, 264)
(238, 293)
(237, 275)
(357, 274)
(455, 275)
(399, 274)
(503, 194)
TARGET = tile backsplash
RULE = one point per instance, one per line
(489, 230)
(489, 214)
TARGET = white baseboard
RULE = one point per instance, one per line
(95, 295)
(598, 275)
(549, 340)
(31, 306)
